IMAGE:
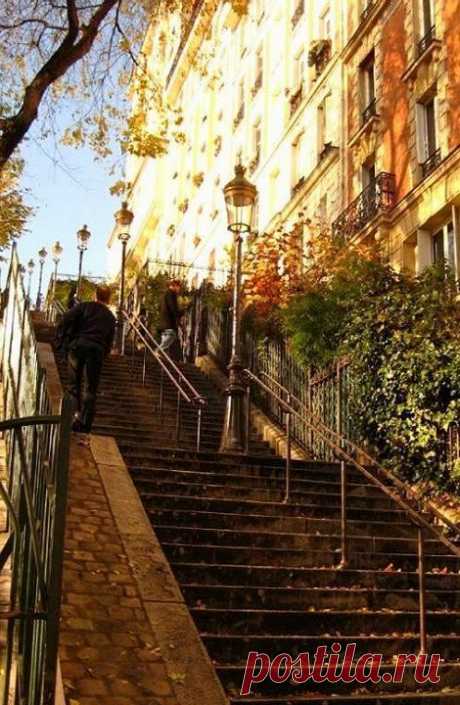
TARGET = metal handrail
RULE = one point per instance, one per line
(169, 368)
(345, 458)
(337, 447)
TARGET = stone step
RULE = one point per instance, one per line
(253, 596)
(224, 648)
(272, 522)
(311, 557)
(402, 698)
(243, 506)
(283, 622)
(294, 577)
(272, 539)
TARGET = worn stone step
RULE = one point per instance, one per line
(253, 596)
(293, 577)
(304, 540)
(229, 648)
(331, 622)
(232, 676)
(240, 506)
(271, 522)
(210, 553)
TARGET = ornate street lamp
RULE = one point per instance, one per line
(240, 197)
(123, 218)
(42, 255)
(30, 269)
(56, 252)
(83, 236)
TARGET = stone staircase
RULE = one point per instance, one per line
(260, 575)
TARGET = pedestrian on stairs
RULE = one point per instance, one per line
(86, 332)
(170, 315)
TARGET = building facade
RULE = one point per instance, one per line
(347, 111)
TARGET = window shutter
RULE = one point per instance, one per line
(422, 137)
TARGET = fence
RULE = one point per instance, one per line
(37, 437)
(329, 393)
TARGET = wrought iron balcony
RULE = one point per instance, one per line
(239, 116)
(369, 112)
(431, 163)
(297, 186)
(300, 9)
(426, 41)
(257, 84)
(255, 162)
(319, 55)
(368, 9)
(378, 197)
(295, 100)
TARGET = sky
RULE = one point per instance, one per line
(68, 189)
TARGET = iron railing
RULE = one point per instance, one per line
(369, 112)
(35, 495)
(426, 41)
(431, 163)
(421, 512)
(54, 311)
(378, 197)
(169, 370)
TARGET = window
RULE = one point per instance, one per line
(367, 87)
(428, 151)
(368, 175)
(426, 21)
(259, 10)
(325, 24)
(323, 119)
(296, 163)
(298, 72)
(259, 71)
(444, 247)
(322, 209)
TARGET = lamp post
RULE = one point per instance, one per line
(240, 196)
(56, 252)
(30, 269)
(2, 262)
(123, 218)
(42, 255)
(83, 236)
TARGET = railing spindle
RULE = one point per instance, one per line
(422, 590)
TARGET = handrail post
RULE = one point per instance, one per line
(198, 429)
(248, 417)
(422, 591)
(162, 386)
(343, 515)
(144, 366)
(178, 418)
(287, 493)
(310, 402)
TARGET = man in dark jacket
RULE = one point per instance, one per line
(169, 315)
(87, 332)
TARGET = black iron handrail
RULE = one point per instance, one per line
(184, 388)
(345, 451)
(35, 497)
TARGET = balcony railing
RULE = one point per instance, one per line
(295, 100)
(300, 9)
(255, 162)
(367, 10)
(319, 55)
(239, 116)
(297, 186)
(431, 163)
(257, 84)
(369, 112)
(378, 197)
(426, 41)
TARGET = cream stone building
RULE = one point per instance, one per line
(345, 110)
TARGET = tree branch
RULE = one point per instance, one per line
(73, 47)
